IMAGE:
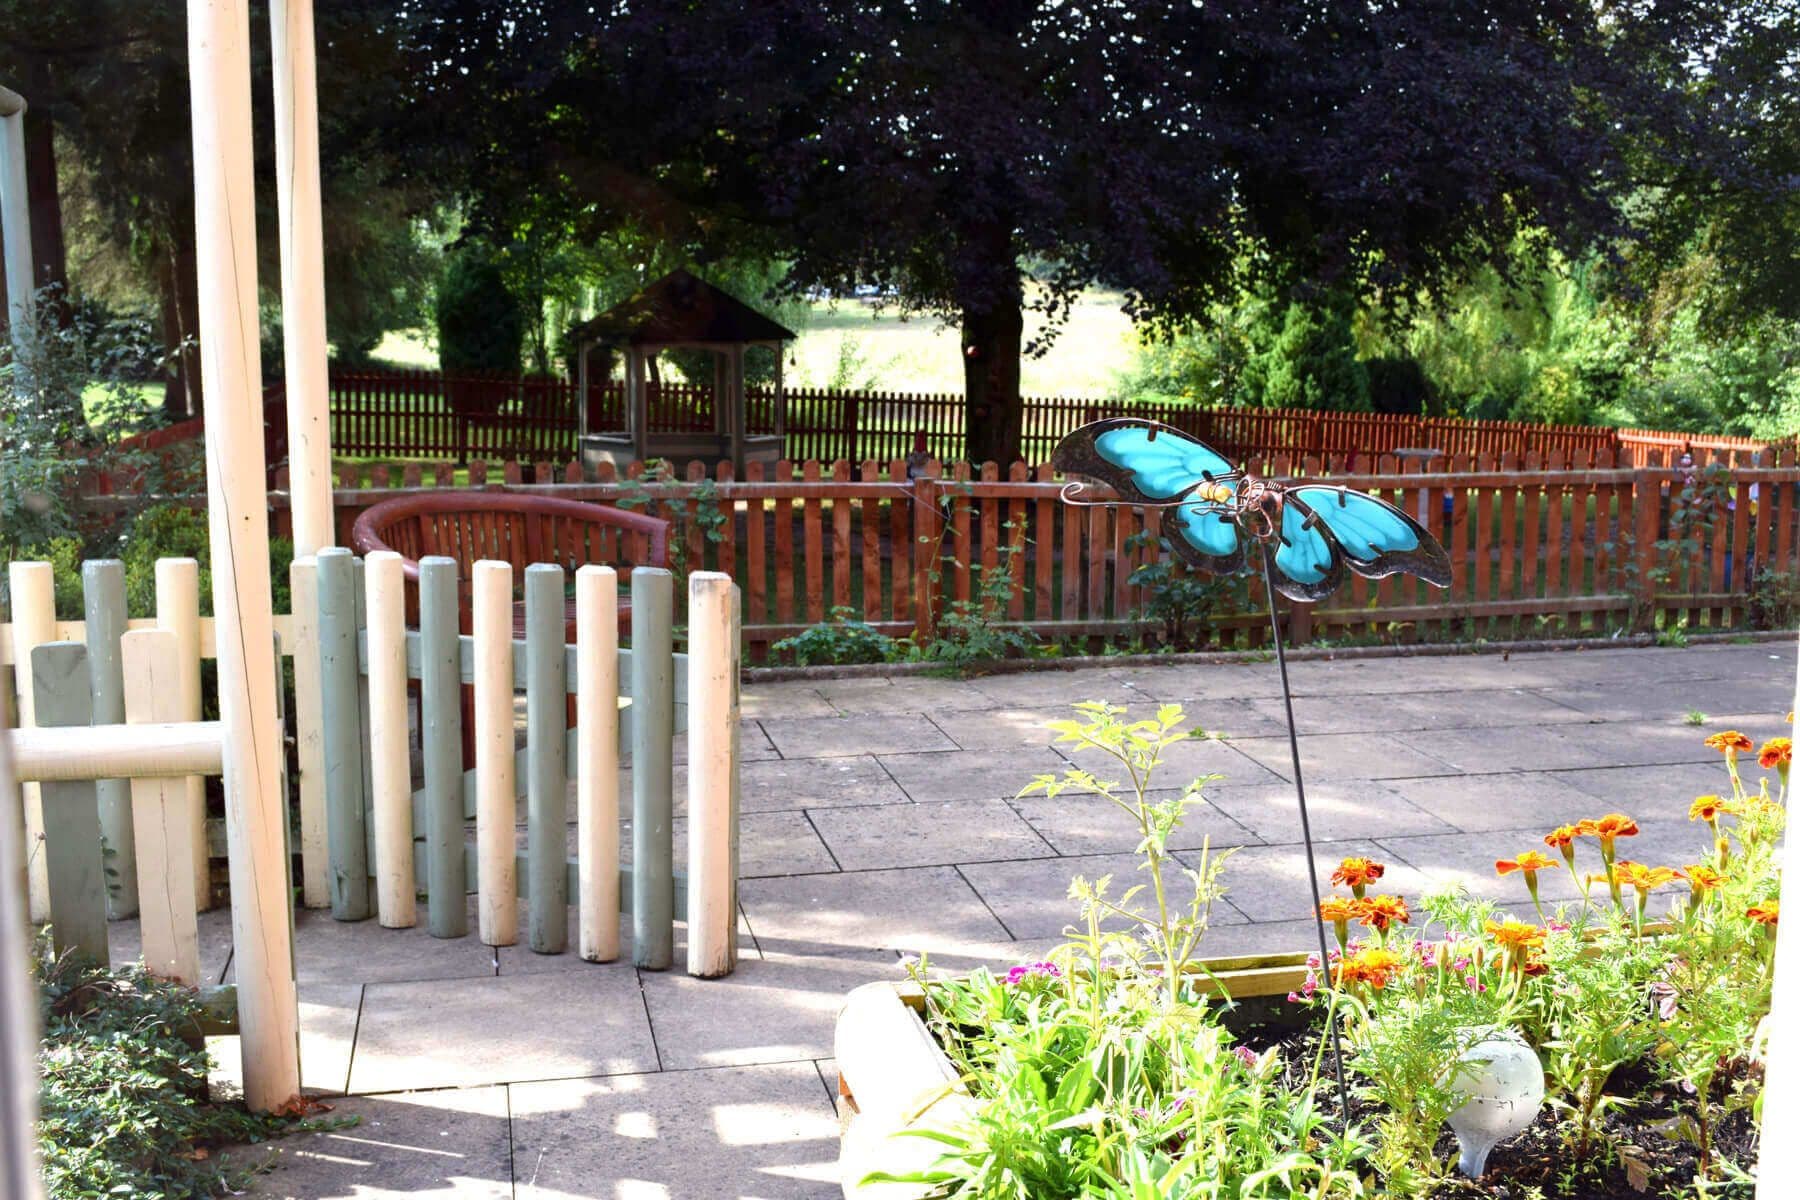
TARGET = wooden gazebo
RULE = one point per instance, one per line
(682, 312)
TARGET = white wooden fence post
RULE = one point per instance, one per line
(597, 759)
(178, 611)
(238, 520)
(389, 754)
(1779, 1157)
(712, 716)
(496, 802)
(33, 588)
(18, 1005)
(165, 872)
(103, 604)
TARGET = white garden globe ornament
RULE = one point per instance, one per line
(1503, 1085)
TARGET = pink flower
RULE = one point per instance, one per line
(1293, 997)
(1475, 985)
(1045, 970)
(1245, 1055)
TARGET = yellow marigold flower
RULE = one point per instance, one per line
(1379, 912)
(1530, 862)
(1701, 878)
(1336, 908)
(1776, 752)
(1730, 742)
(1358, 873)
(1708, 808)
(1644, 879)
(1768, 913)
(1511, 935)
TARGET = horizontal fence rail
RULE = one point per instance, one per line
(1539, 548)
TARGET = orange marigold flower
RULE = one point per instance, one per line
(1379, 912)
(1776, 752)
(1644, 879)
(1336, 908)
(1701, 878)
(1768, 912)
(1607, 828)
(1358, 872)
(1708, 808)
(1730, 741)
(1562, 835)
(1530, 862)
(1374, 966)
(1534, 965)
(1515, 935)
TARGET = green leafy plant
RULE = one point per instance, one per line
(124, 1090)
(840, 639)
(1181, 600)
(1774, 600)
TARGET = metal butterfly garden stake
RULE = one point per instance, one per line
(1306, 536)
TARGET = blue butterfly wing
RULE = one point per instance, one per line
(1376, 538)
(1147, 462)
(1308, 562)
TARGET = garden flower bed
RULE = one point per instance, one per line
(1129, 1066)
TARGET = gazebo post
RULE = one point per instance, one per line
(734, 410)
(637, 401)
(581, 396)
(780, 405)
(238, 521)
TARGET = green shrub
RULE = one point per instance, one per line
(124, 1101)
(843, 639)
(480, 324)
(1305, 357)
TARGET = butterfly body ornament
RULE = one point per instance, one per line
(1311, 533)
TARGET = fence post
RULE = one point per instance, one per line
(309, 731)
(103, 604)
(1646, 508)
(33, 587)
(389, 752)
(440, 721)
(340, 690)
(73, 858)
(171, 939)
(178, 611)
(546, 758)
(496, 800)
(712, 768)
(652, 768)
(597, 759)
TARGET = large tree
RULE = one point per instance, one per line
(1177, 151)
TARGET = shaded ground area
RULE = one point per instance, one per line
(879, 818)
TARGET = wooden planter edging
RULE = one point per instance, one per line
(893, 1075)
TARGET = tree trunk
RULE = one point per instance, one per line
(992, 342)
(48, 254)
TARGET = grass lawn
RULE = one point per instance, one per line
(884, 352)
(97, 393)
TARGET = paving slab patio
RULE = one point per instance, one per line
(881, 817)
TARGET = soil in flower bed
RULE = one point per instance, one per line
(1642, 1164)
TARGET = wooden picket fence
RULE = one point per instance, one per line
(372, 836)
(1540, 548)
(408, 415)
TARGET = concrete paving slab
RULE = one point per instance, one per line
(784, 700)
(1186, 681)
(917, 908)
(1032, 898)
(902, 693)
(769, 1010)
(328, 951)
(328, 1017)
(794, 783)
(826, 737)
(1498, 708)
(1338, 756)
(752, 1133)
(1512, 748)
(1197, 758)
(467, 1033)
(1268, 883)
(997, 728)
(927, 835)
(971, 774)
(1086, 824)
(1055, 691)
(520, 959)
(1661, 793)
(1528, 801)
(422, 1144)
(1339, 810)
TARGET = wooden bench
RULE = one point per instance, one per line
(515, 528)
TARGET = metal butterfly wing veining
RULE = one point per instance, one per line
(1217, 511)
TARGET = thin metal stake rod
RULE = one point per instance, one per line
(1312, 869)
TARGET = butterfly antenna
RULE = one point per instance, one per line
(1312, 867)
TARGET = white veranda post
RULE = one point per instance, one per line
(1780, 1156)
(15, 215)
(238, 522)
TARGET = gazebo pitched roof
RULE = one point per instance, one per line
(681, 307)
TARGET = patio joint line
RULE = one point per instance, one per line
(813, 825)
(984, 904)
